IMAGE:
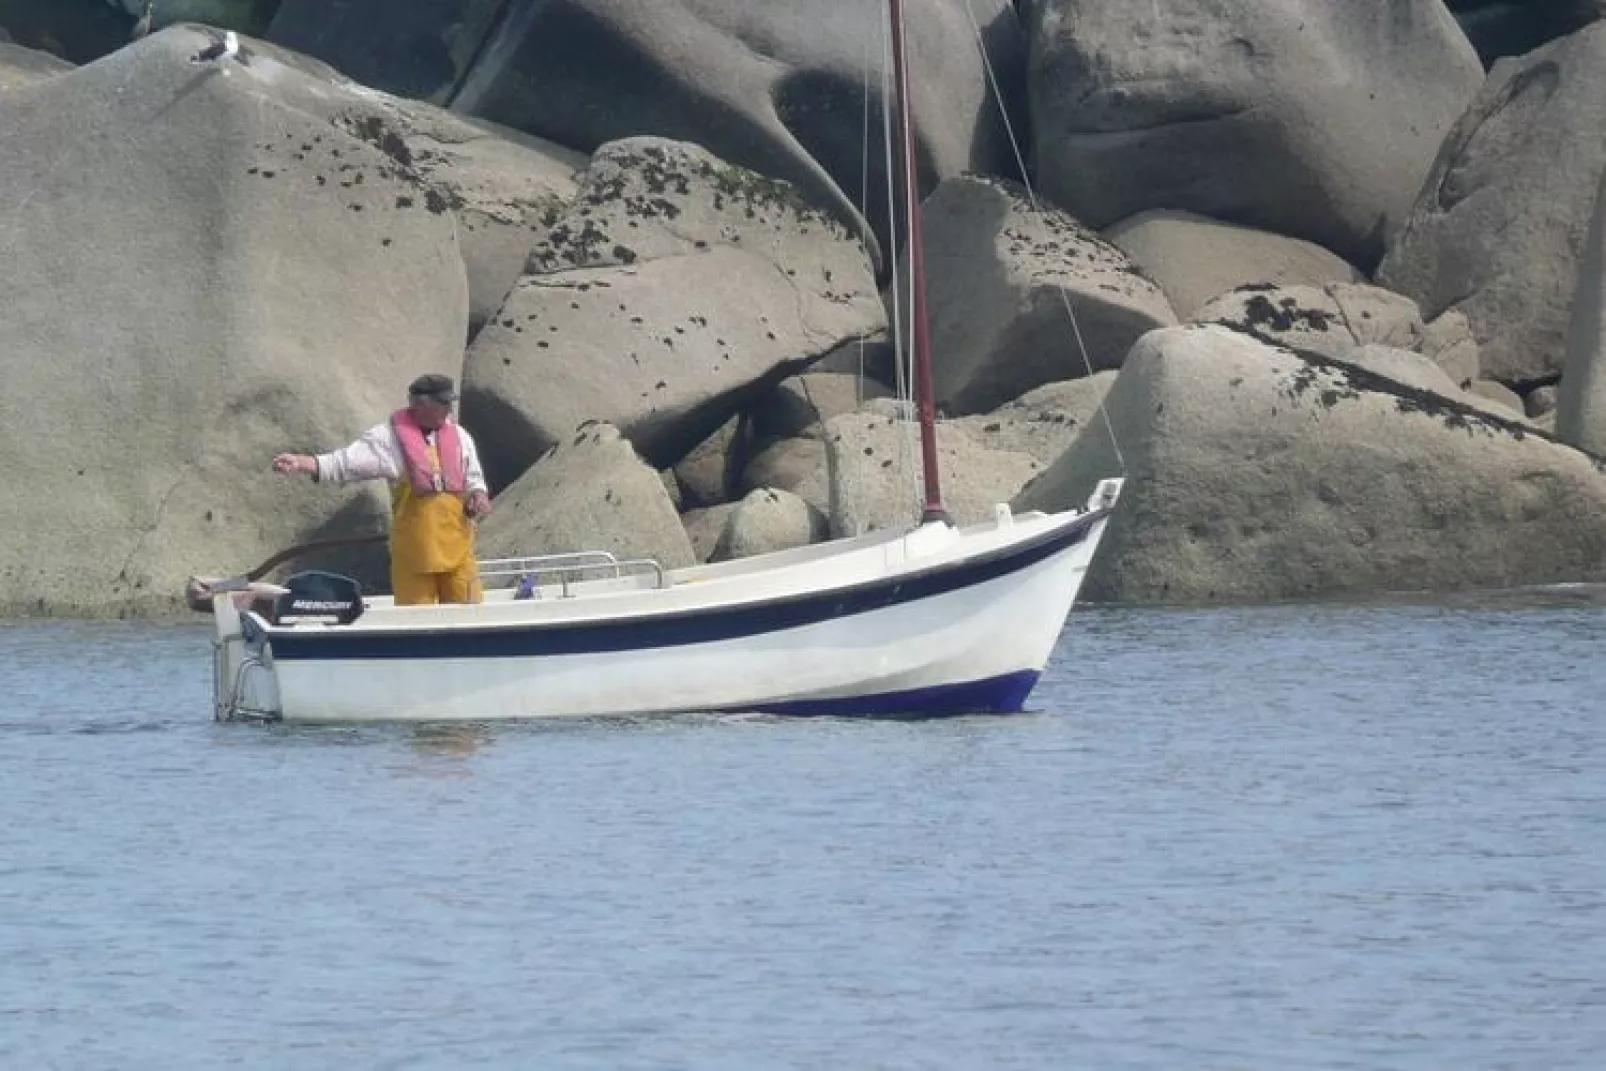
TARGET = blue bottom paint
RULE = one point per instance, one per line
(995, 695)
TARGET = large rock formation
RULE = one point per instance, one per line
(708, 475)
(768, 520)
(1041, 423)
(505, 189)
(1332, 320)
(1304, 117)
(590, 492)
(875, 472)
(1496, 231)
(1005, 280)
(203, 265)
(863, 473)
(673, 288)
(800, 406)
(1258, 473)
(1195, 259)
(1338, 318)
(704, 526)
(777, 88)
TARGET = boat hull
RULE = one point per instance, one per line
(965, 626)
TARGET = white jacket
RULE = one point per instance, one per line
(378, 456)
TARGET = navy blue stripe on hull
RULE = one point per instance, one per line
(703, 625)
(995, 695)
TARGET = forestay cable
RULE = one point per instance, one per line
(1037, 206)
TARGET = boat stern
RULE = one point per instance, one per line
(244, 687)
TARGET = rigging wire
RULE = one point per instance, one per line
(864, 195)
(1037, 206)
(903, 373)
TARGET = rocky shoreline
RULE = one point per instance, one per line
(1339, 287)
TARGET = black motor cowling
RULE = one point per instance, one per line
(315, 594)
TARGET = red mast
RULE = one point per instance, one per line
(925, 403)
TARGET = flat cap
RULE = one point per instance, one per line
(434, 385)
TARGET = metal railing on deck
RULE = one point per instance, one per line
(537, 572)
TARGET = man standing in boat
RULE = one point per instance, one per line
(438, 492)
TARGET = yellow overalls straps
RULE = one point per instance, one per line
(431, 546)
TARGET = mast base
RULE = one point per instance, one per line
(936, 515)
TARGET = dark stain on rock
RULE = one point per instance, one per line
(564, 246)
(1311, 380)
(1340, 380)
(1285, 315)
(375, 132)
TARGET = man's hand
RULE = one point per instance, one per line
(479, 505)
(295, 463)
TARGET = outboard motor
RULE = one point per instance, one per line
(317, 595)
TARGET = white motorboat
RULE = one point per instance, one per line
(938, 620)
(926, 620)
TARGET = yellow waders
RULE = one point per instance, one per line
(431, 548)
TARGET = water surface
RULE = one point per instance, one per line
(1291, 837)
